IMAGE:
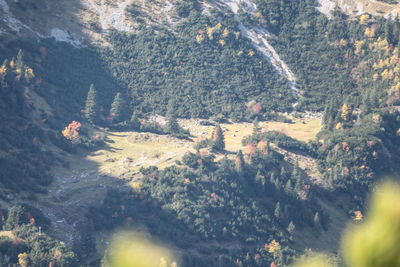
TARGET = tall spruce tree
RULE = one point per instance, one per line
(135, 122)
(19, 63)
(239, 162)
(172, 123)
(91, 107)
(218, 142)
(117, 108)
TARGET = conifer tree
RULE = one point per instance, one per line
(172, 124)
(256, 126)
(218, 142)
(288, 186)
(260, 179)
(388, 31)
(134, 121)
(317, 221)
(239, 162)
(117, 108)
(19, 63)
(296, 176)
(91, 107)
(277, 211)
(290, 229)
(5, 63)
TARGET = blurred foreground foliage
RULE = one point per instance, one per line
(376, 241)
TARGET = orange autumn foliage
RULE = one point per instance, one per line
(71, 132)
(345, 146)
(261, 145)
(250, 149)
(358, 216)
(257, 108)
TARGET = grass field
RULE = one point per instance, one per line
(370, 6)
(126, 152)
(7, 234)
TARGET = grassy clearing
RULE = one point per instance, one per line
(370, 6)
(126, 152)
(7, 234)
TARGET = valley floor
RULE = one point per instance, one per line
(85, 182)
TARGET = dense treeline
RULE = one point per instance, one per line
(307, 41)
(206, 66)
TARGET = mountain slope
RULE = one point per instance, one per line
(218, 61)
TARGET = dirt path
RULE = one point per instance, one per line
(71, 193)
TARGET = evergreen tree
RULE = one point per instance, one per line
(218, 142)
(5, 63)
(317, 223)
(389, 31)
(277, 211)
(288, 186)
(134, 121)
(239, 162)
(117, 108)
(260, 179)
(91, 107)
(291, 228)
(19, 63)
(256, 126)
(296, 176)
(172, 123)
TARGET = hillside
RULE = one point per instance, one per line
(235, 132)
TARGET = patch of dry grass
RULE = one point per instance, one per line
(7, 234)
(370, 6)
(126, 152)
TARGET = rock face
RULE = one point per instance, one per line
(79, 22)
(259, 37)
(357, 7)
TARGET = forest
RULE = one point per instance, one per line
(218, 208)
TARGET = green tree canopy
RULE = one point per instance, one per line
(91, 107)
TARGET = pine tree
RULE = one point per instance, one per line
(260, 180)
(134, 121)
(277, 211)
(388, 31)
(91, 107)
(239, 162)
(256, 126)
(296, 176)
(5, 63)
(291, 228)
(117, 108)
(172, 123)
(288, 186)
(19, 63)
(316, 220)
(218, 142)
